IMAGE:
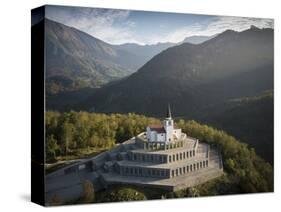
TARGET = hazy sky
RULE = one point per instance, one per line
(125, 26)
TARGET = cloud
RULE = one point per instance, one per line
(212, 26)
(116, 27)
(223, 23)
(111, 26)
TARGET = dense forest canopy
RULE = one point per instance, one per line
(66, 132)
(244, 170)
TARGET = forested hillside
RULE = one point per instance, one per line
(250, 119)
(68, 132)
(245, 172)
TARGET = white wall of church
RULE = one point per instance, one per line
(153, 136)
(177, 133)
(148, 133)
(169, 127)
(161, 137)
(169, 134)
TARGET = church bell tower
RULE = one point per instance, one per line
(169, 125)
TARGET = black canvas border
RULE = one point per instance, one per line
(38, 105)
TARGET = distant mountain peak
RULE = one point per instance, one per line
(198, 39)
(254, 27)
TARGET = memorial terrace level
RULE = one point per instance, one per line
(191, 178)
(164, 172)
(183, 154)
(179, 163)
(171, 156)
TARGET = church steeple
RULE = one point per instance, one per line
(169, 125)
(169, 115)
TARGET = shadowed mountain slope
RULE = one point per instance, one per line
(191, 77)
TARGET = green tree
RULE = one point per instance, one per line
(230, 165)
(67, 136)
(51, 148)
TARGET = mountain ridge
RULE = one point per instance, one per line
(76, 59)
(189, 71)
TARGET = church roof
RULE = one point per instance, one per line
(157, 128)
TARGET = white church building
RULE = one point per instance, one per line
(164, 133)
